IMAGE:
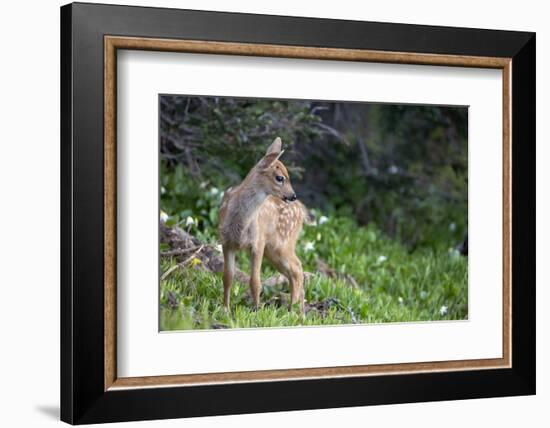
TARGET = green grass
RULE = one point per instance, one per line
(394, 285)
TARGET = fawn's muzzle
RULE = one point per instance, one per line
(290, 198)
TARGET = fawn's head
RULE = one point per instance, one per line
(271, 176)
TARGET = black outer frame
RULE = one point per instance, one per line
(83, 399)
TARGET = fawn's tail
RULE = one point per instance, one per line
(309, 218)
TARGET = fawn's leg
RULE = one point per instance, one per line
(228, 271)
(256, 256)
(296, 280)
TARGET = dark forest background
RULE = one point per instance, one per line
(403, 168)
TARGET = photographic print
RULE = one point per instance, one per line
(285, 213)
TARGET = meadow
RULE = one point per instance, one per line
(357, 275)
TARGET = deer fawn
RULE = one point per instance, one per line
(262, 215)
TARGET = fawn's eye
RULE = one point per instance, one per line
(279, 178)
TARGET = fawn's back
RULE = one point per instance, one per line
(275, 222)
(280, 222)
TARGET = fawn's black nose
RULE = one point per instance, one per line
(291, 198)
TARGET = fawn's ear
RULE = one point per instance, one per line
(275, 147)
(274, 152)
(269, 159)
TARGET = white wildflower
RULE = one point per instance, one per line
(454, 254)
(162, 190)
(163, 216)
(423, 294)
(400, 300)
(219, 248)
(189, 221)
(310, 246)
(382, 259)
(318, 237)
(443, 310)
(214, 191)
(393, 169)
(322, 220)
(452, 227)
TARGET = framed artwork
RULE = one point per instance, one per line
(266, 213)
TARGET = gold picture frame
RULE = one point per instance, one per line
(114, 43)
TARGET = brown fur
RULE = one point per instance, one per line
(254, 216)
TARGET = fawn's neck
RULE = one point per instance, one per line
(248, 200)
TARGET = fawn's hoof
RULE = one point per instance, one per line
(256, 308)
